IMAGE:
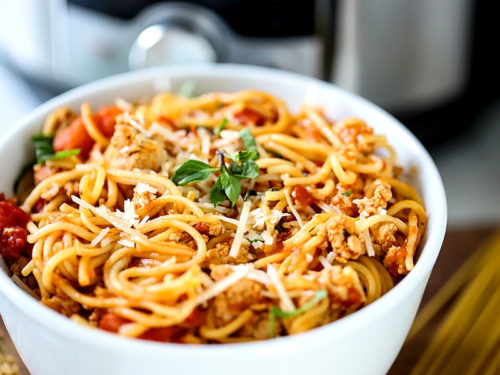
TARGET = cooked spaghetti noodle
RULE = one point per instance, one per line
(290, 225)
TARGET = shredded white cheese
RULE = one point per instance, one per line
(142, 188)
(330, 257)
(324, 207)
(368, 242)
(129, 213)
(99, 237)
(239, 272)
(107, 215)
(126, 243)
(309, 258)
(144, 220)
(259, 217)
(135, 124)
(286, 301)
(259, 276)
(205, 141)
(325, 262)
(228, 219)
(242, 225)
(292, 208)
(268, 239)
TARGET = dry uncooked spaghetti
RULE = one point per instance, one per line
(215, 219)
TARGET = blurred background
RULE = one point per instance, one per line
(430, 63)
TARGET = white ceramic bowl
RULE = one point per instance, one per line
(366, 342)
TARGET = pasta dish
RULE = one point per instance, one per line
(218, 218)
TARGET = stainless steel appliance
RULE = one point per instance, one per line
(422, 60)
(69, 42)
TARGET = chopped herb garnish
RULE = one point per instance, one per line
(276, 312)
(187, 89)
(347, 193)
(44, 150)
(249, 193)
(249, 140)
(279, 227)
(255, 240)
(65, 154)
(192, 171)
(220, 127)
(228, 184)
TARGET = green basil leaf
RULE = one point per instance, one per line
(347, 193)
(220, 127)
(217, 194)
(249, 141)
(276, 312)
(248, 169)
(192, 171)
(231, 185)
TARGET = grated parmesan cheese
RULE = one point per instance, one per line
(286, 301)
(325, 262)
(368, 242)
(135, 124)
(142, 188)
(129, 213)
(292, 208)
(268, 239)
(228, 219)
(309, 258)
(107, 215)
(126, 243)
(239, 272)
(259, 276)
(259, 217)
(205, 141)
(242, 224)
(99, 237)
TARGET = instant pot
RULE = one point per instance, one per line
(428, 62)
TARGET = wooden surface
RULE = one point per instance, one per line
(458, 245)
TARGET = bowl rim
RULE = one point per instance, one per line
(64, 326)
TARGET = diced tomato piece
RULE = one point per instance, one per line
(74, 136)
(111, 322)
(248, 116)
(302, 195)
(197, 318)
(163, 334)
(105, 119)
(13, 233)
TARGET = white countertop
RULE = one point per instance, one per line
(470, 166)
